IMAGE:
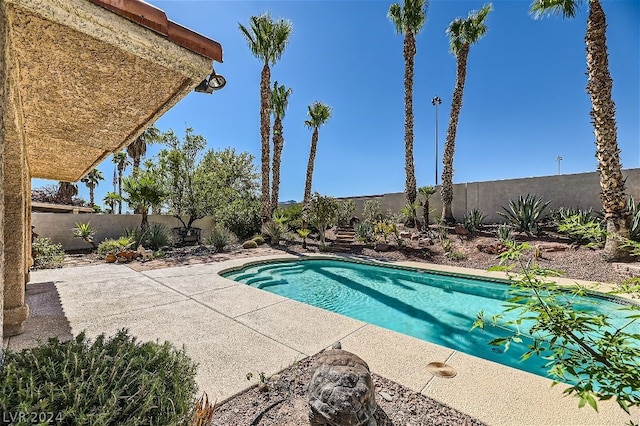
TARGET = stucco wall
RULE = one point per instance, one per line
(59, 226)
(569, 190)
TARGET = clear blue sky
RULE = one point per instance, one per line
(524, 102)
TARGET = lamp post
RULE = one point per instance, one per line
(435, 102)
(559, 158)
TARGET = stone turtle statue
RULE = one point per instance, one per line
(341, 391)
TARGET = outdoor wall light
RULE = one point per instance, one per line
(215, 82)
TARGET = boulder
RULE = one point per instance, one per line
(460, 230)
(341, 391)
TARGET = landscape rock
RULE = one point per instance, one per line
(341, 391)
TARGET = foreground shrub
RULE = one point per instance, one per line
(251, 244)
(112, 381)
(525, 213)
(220, 237)
(46, 254)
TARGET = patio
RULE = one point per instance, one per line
(231, 329)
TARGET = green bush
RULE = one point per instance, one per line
(275, 231)
(472, 221)
(258, 239)
(109, 245)
(364, 232)
(372, 212)
(46, 254)
(220, 237)
(251, 244)
(157, 236)
(346, 210)
(293, 215)
(112, 381)
(242, 217)
(525, 213)
(591, 233)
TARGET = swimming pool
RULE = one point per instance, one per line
(436, 307)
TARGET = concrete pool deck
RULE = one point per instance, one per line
(231, 329)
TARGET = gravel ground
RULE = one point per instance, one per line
(283, 401)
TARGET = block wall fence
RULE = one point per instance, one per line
(568, 190)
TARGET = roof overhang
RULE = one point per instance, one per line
(90, 75)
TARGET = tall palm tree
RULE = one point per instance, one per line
(91, 180)
(143, 192)
(462, 34)
(279, 102)
(319, 114)
(409, 18)
(267, 40)
(111, 199)
(66, 192)
(121, 162)
(138, 148)
(603, 117)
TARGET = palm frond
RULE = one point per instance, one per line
(566, 8)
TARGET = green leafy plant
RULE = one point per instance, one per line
(525, 213)
(591, 233)
(346, 210)
(578, 342)
(114, 380)
(111, 246)
(408, 212)
(293, 213)
(321, 211)
(372, 212)
(274, 231)
(220, 237)
(634, 214)
(304, 233)
(46, 254)
(384, 229)
(364, 232)
(472, 221)
(426, 192)
(250, 244)
(258, 239)
(504, 234)
(157, 236)
(85, 232)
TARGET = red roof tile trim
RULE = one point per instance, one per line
(155, 19)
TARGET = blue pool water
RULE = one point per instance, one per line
(435, 307)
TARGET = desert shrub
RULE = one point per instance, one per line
(109, 245)
(372, 212)
(472, 221)
(503, 233)
(525, 213)
(220, 237)
(85, 232)
(110, 381)
(251, 244)
(364, 232)
(274, 231)
(242, 217)
(634, 214)
(293, 215)
(157, 236)
(584, 216)
(136, 235)
(46, 254)
(321, 212)
(346, 210)
(258, 239)
(591, 233)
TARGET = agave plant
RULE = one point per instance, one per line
(503, 233)
(275, 231)
(525, 213)
(472, 221)
(634, 218)
(85, 232)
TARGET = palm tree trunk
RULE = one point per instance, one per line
(409, 52)
(278, 144)
(119, 191)
(599, 86)
(450, 144)
(312, 159)
(136, 165)
(265, 130)
(145, 218)
(91, 194)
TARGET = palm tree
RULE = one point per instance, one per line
(267, 40)
(111, 199)
(319, 114)
(603, 117)
(66, 192)
(121, 162)
(462, 33)
(138, 148)
(426, 192)
(279, 102)
(143, 192)
(91, 180)
(409, 18)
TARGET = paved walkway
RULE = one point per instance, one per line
(232, 329)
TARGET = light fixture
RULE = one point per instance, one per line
(213, 83)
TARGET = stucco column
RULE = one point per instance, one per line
(3, 111)
(15, 220)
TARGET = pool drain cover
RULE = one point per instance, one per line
(441, 369)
